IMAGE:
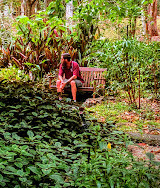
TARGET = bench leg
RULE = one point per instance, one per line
(94, 89)
(50, 82)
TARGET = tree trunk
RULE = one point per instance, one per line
(143, 23)
(154, 30)
(69, 12)
(1, 14)
(37, 6)
(151, 20)
(23, 7)
(30, 7)
(133, 23)
(11, 8)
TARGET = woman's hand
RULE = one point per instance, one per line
(63, 84)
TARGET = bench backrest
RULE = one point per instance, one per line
(90, 74)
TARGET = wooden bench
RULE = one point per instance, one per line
(93, 77)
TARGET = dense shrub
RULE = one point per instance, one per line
(124, 59)
(45, 143)
(37, 134)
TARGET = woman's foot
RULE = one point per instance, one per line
(60, 98)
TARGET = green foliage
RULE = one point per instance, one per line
(12, 73)
(38, 44)
(40, 41)
(86, 18)
(125, 9)
(37, 132)
(43, 143)
(123, 60)
(40, 47)
(56, 8)
(110, 170)
(5, 35)
(128, 10)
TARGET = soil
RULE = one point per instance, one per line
(149, 140)
(150, 134)
(141, 149)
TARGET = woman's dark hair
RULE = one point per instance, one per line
(66, 56)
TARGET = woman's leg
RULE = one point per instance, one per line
(59, 90)
(73, 89)
(58, 85)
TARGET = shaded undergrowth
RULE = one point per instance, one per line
(45, 143)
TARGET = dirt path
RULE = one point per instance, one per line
(143, 151)
(148, 139)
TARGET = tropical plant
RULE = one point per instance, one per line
(38, 45)
(124, 60)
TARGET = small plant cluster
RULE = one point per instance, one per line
(45, 143)
(12, 73)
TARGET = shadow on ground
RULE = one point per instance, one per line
(81, 97)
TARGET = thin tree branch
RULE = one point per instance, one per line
(33, 2)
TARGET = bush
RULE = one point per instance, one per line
(12, 73)
(37, 132)
(46, 143)
(123, 60)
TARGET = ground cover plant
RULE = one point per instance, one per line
(45, 143)
(128, 119)
(13, 74)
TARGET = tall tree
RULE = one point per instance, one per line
(30, 7)
(151, 19)
(69, 12)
